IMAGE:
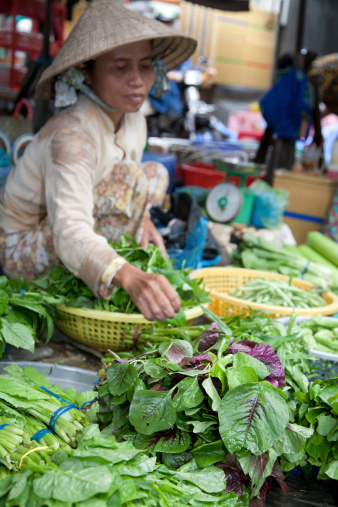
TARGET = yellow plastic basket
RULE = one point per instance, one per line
(221, 282)
(105, 330)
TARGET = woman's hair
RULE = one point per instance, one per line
(88, 66)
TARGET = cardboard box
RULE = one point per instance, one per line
(240, 45)
(309, 199)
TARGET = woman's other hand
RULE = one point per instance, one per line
(153, 295)
(151, 235)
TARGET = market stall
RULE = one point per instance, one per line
(162, 346)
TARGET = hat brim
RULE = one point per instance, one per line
(105, 26)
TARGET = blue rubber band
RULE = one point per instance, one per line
(65, 401)
(59, 412)
(40, 434)
(2, 426)
(62, 410)
(305, 270)
(88, 403)
(54, 394)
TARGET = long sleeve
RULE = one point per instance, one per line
(70, 164)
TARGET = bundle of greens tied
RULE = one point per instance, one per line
(258, 253)
(35, 414)
(60, 282)
(25, 315)
(278, 293)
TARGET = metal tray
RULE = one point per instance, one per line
(66, 376)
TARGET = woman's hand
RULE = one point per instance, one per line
(151, 235)
(152, 294)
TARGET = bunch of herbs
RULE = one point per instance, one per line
(25, 315)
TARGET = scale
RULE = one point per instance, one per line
(224, 202)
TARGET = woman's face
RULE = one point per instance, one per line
(123, 77)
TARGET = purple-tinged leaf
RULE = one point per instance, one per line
(178, 350)
(198, 359)
(217, 385)
(235, 477)
(195, 360)
(172, 440)
(259, 500)
(278, 475)
(121, 360)
(238, 347)
(136, 335)
(242, 346)
(268, 356)
(273, 380)
(209, 337)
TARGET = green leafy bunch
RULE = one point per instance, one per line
(104, 473)
(318, 410)
(25, 315)
(60, 282)
(211, 401)
(27, 392)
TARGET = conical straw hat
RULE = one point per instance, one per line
(106, 25)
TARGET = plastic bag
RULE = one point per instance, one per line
(193, 251)
(269, 205)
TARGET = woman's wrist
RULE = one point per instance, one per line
(111, 271)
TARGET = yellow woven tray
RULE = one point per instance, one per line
(221, 282)
(105, 330)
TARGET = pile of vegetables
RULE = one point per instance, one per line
(102, 472)
(24, 314)
(278, 293)
(257, 327)
(258, 253)
(211, 401)
(60, 282)
(198, 416)
(319, 333)
(318, 410)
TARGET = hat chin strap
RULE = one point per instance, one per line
(67, 85)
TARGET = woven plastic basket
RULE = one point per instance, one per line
(105, 330)
(325, 365)
(221, 282)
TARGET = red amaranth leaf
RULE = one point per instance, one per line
(209, 337)
(235, 477)
(135, 335)
(268, 356)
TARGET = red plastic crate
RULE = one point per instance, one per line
(201, 175)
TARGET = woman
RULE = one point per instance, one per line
(80, 182)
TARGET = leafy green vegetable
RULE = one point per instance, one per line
(201, 399)
(60, 282)
(25, 316)
(90, 475)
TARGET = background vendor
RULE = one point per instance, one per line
(80, 183)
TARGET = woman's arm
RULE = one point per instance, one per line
(69, 194)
